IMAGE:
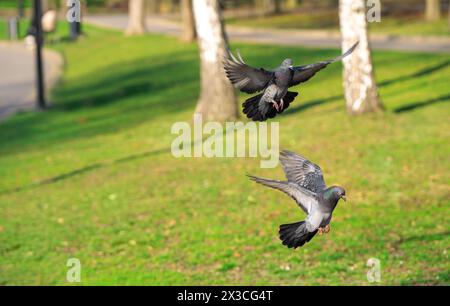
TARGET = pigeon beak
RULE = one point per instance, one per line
(344, 198)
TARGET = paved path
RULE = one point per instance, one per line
(17, 76)
(309, 38)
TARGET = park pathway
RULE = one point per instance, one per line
(17, 77)
(308, 38)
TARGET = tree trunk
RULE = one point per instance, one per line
(63, 9)
(293, 4)
(136, 17)
(433, 10)
(270, 7)
(361, 92)
(217, 100)
(189, 33)
(45, 6)
(173, 6)
(154, 6)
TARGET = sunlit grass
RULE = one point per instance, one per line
(323, 20)
(133, 214)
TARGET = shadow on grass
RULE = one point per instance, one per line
(423, 72)
(83, 170)
(97, 165)
(117, 97)
(427, 237)
(312, 103)
(413, 106)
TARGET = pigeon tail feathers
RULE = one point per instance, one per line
(295, 235)
(253, 110)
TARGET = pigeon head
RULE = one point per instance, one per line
(287, 63)
(335, 193)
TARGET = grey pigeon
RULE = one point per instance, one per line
(306, 186)
(274, 84)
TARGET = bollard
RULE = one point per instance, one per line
(13, 28)
(73, 30)
(21, 8)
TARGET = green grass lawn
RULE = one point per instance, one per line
(23, 27)
(61, 31)
(13, 4)
(93, 177)
(329, 20)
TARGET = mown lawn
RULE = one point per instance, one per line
(4, 33)
(93, 177)
(329, 20)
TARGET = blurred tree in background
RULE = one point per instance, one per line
(154, 6)
(217, 100)
(136, 17)
(433, 10)
(361, 92)
(270, 7)
(189, 33)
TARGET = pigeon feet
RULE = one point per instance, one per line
(324, 230)
(275, 105)
(278, 107)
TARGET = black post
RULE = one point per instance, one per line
(21, 8)
(39, 67)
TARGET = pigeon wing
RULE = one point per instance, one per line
(304, 198)
(246, 78)
(305, 72)
(302, 172)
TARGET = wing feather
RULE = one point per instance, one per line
(302, 172)
(244, 77)
(305, 72)
(304, 198)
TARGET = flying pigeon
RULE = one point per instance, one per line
(274, 84)
(306, 186)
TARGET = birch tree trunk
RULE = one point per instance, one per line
(217, 100)
(188, 27)
(433, 10)
(136, 17)
(361, 92)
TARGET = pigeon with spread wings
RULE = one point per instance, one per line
(305, 184)
(272, 85)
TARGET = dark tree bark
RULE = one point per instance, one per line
(270, 7)
(188, 30)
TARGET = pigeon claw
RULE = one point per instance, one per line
(281, 104)
(275, 105)
(324, 230)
